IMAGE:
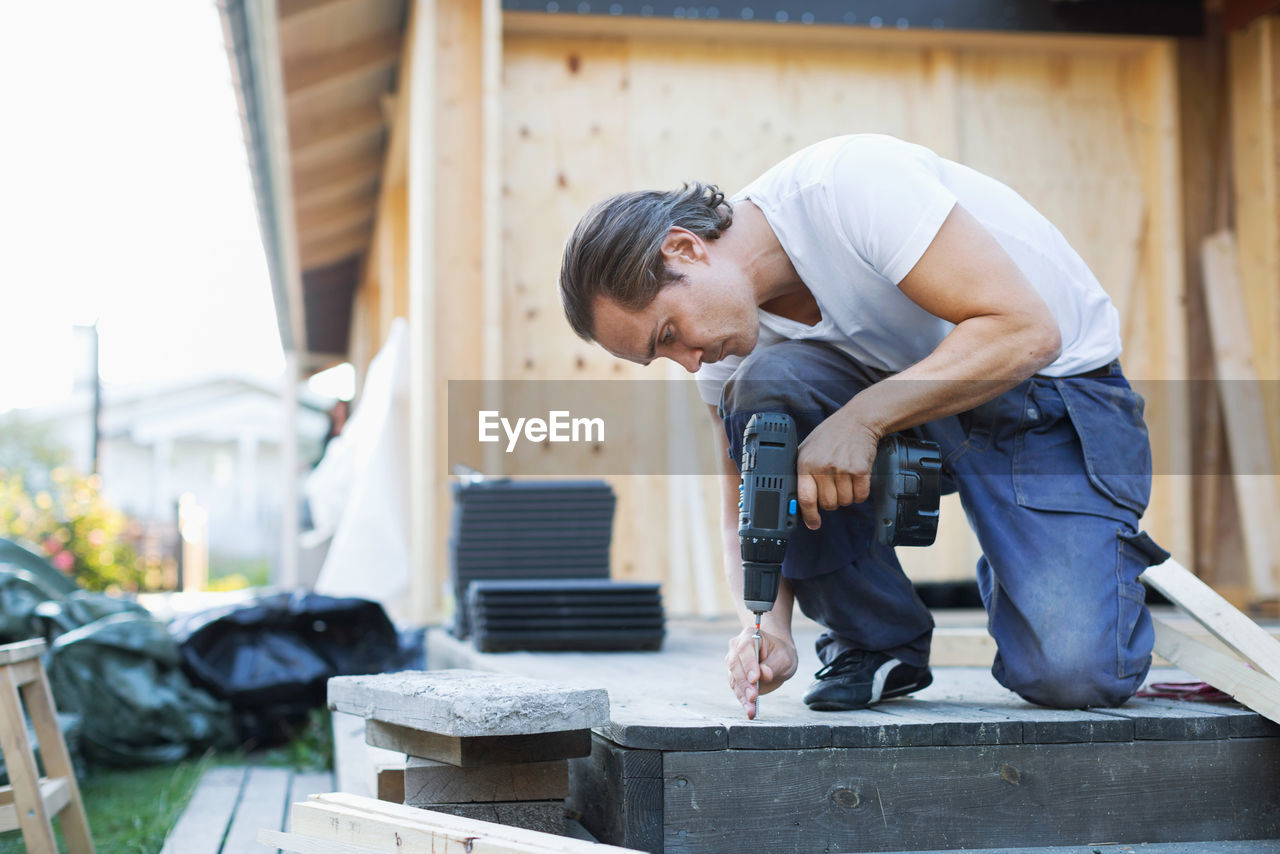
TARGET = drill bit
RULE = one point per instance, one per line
(756, 638)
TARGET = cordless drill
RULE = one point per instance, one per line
(905, 489)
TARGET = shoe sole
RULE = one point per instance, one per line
(829, 706)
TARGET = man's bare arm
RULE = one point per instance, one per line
(1004, 333)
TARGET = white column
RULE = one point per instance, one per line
(423, 423)
(287, 568)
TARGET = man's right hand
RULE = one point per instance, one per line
(777, 664)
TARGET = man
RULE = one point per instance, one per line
(867, 286)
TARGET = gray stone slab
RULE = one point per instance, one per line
(429, 782)
(467, 703)
(544, 816)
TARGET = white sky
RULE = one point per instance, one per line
(125, 196)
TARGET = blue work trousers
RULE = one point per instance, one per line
(1053, 475)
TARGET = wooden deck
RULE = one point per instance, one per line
(964, 763)
(230, 805)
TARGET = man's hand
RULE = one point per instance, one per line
(834, 465)
(778, 663)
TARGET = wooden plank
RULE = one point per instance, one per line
(323, 251)
(318, 184)
(204, 822)
(542, 816)
(1224, 672)
(57, 761)
(315, 226)
(963, 797)
(307, 783)
(1253, 470)
(263, 801)
(55, 794)
(1243, 412)
(12, 653)
(427, 781)
(353, 143)
(618, 792)
(299, 844)
(330, 127)
(1154, 721)
(384, 826)
(20, 762)
(309, 74)
(1253, 61)
(388, 782)
(1216, 614)
(288, 9)
(478, 751)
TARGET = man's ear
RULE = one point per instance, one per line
(682, 245)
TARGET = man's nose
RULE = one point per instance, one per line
(689, 358)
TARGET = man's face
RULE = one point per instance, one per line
(700, 319)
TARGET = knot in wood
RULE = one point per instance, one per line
(847, 798)
(1010, 774)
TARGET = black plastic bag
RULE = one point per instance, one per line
(271, 657)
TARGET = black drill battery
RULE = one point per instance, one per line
(906, 486)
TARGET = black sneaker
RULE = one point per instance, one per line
(858, 678)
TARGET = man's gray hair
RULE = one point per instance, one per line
(616, 250)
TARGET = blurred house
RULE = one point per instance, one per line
(217, 438)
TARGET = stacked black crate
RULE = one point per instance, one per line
(514, 530)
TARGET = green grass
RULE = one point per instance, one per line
(132, 810)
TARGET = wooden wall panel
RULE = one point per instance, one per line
(1087, 135)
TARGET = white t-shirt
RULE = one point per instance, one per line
(855, 213)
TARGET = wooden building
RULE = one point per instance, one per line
(427, 160)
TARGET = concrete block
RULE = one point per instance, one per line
(467, 703)
(429, 782)
(544, 816)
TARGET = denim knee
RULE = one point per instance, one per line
(1064, 681)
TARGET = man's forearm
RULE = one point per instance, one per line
(979, 360)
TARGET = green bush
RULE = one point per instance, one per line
(74, 527)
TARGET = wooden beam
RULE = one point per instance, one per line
(1216, 614)
(1253, 471)
(313, 181)
(333, 127)
(384, 826)
(357, 145)
(288, 10)
(363, 193)
(336, 220)
(313, 73)
(321, 252)
(355, 186)
(1237, 14)
(1224, 672)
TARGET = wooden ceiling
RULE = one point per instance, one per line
(339, 62)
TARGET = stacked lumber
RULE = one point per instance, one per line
(349, 824)
(478, 745)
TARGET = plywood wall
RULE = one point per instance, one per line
(1083, 128)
